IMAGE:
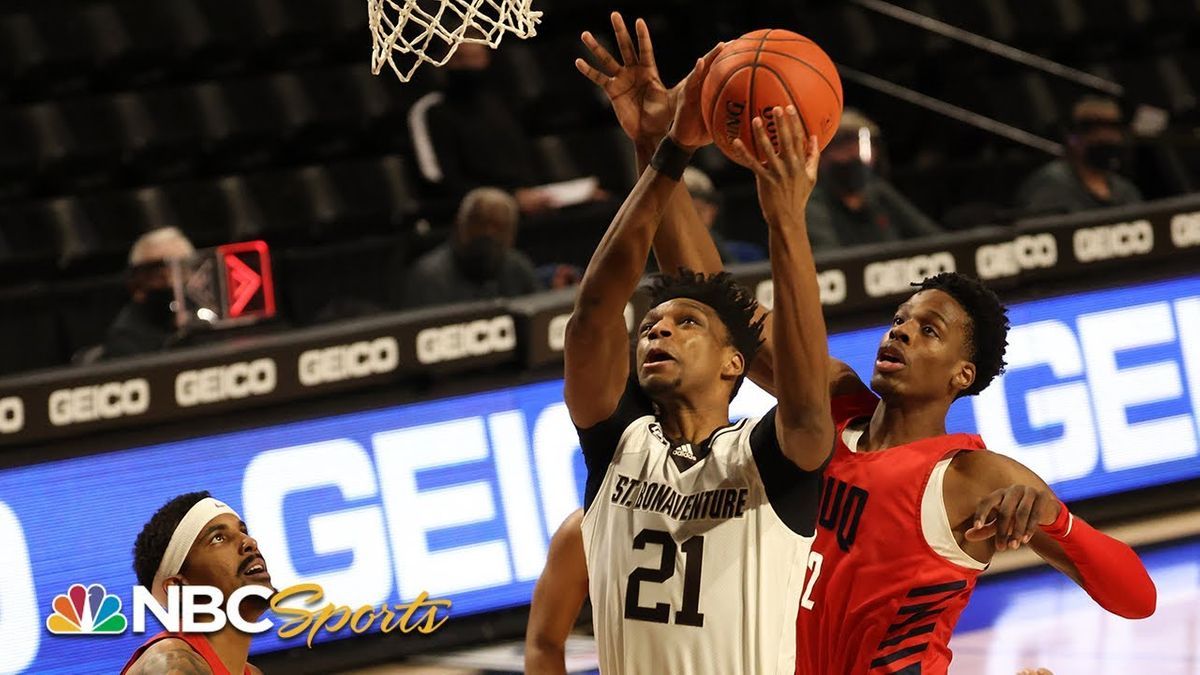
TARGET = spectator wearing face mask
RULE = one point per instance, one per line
(478, 262)
(1088, 177)
(148, 320)
(852, 204)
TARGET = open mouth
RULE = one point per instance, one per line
(656, 356)
(889, 359)
(255, 566)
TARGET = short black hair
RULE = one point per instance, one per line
(987, 330)
(732, 302)
(151, 544)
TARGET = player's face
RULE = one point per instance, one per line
(227, 557)
(683, 346)
(923, 355)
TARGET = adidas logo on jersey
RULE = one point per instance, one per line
(684, 451)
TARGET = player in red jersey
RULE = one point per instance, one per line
(195, 539)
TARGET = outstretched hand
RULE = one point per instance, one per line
(785, 181)
(641, 101)
(1012, 515)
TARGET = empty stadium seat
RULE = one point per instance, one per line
(201, 210)
(331, 281)
(86, 307)
(31, 338)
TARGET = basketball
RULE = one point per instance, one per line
(764, 69)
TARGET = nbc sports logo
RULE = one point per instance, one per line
(86, 611)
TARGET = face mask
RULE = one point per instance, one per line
(480, 259)
(847, 178)
(1105, 156)
(158, 304)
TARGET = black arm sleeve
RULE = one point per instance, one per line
(793, 492)
(599, 442)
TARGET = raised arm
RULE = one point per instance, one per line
(995, 500)
(643, 106)
(596, 350)
(557, 599)
(802, 419)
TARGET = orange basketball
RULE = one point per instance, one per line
(764, 69)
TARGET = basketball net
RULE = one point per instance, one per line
(429, 31)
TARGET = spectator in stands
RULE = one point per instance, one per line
(467, 136)
(478, 262)
(147, 321)
(851, 203)
(1087, 178)
(708, 206)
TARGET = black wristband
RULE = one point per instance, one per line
(670, 160)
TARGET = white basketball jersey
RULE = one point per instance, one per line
(691, 572)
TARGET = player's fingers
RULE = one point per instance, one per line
(1004, 519)
(742, 155)
(624, 42)
(608, 65)
(981, 532)
(812, 157)
(759, 129)
(983, 510)
(1022, 519)
(785, 136)
(591, 73)
(645, 47)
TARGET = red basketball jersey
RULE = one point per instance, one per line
(879, 599)
(198, 643)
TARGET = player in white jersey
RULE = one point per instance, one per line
(695, 530)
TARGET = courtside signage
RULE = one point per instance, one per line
(457, 498)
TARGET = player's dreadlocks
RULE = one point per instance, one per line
(987, 331)
(152, 543)
(731, 301)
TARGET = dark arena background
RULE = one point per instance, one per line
(381, 440)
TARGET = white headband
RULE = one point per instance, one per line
(182, 539)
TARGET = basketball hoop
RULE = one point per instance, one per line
(429, 31)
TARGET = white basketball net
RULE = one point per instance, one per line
(428, 31)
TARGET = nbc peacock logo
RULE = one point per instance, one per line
(86, 611)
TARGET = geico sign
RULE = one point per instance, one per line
(1065, 403)
(12, 414)
(1185, 229)
(381, 526)
(1113, 241)
(889, 277)
(100, 401)
(350, 361)
(463, 340)
(831, 284)
(1009, 258)
(219, 383)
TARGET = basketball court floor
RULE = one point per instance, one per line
(1015, 620)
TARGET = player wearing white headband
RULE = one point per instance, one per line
(197, 540)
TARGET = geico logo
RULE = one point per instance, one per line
(218, 383)
(1185, 229)
(1064, 406)
(395, 492)
(1113, 241)
(12, 414)
(462, 340)
(345, 362)
(556, 332)
(888, 277)
(833, 287)
(830, 283)
(101, 401)
(1026, 252)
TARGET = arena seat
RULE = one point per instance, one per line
(244, 126)
(201, 210)
(317, 283)
(375, 195)
(18, 155)
(84, 309)
(165, 135)
(33, 339)
(326, 110)
(28, 247)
